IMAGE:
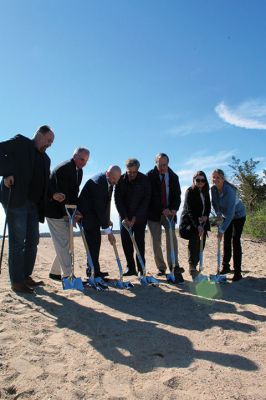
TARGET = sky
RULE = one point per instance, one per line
(132, 78)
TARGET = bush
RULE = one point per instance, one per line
(256, 223)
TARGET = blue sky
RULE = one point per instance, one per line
(131, 78)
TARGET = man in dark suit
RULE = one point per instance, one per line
(63, 189)
(26, 169)
(94, 205)
(132, 197)
(165, 202)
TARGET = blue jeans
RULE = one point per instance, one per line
(23, 239)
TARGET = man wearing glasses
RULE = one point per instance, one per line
(132, 198)
(63, 189)
(165, 202)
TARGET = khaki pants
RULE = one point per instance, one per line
(59, 229)
(155, 229)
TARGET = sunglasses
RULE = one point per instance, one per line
(198, 180)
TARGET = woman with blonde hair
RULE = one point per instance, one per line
(232, 213)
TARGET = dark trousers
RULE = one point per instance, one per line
(234, 232)
(194, 249)
(138, 231)
(93, 237)
(23, 239)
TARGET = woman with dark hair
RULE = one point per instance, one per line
(195, 218)
(231, 211)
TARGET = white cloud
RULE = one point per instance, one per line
(248, 115)
(201, 125)
(205, 162)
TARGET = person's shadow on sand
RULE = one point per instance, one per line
(178, 309)
(140, 345)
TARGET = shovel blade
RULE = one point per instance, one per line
(218, 278)
(100, 282)
(72, 283)
(143, 280)
(124, 285)
(152, 280)
(200, 278)
(170, 277)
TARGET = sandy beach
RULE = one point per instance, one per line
(196, 341)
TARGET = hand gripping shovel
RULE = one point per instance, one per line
(96, 283)
(200, 277)
(171, 277)
(4, 233)
(121, 284)
(71, 282)
(218, 278)
(144, 280)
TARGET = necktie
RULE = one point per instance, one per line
(163, 198)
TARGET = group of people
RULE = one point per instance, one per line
(29, 193)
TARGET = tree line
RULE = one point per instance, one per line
(252, 191)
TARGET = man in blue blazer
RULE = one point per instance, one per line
(25, 167)
(94, 204)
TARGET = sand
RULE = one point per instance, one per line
(205, 341)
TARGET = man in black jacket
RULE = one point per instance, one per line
(132, 197)
(25, 168)
(63, 189)
(165, 202)
(94, 205)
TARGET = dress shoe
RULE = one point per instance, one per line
(55, 277)
(237, 277)
(161, 273)
(225, 270)
(130, 272)
(179, 278)
(30, 282)
(179, 269)
(21, 287)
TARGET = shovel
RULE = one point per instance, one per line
(171, 277)
(144, 280)
(71, 282)
(96, 283)
(218, 278)
(4, 233)
(201, 277)
(121, 284)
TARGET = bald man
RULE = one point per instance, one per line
(94, 204)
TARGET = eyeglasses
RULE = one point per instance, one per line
(198, 180)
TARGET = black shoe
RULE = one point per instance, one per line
(21, 287)
(161, 273)
(194, 273)
(30, 282)
(103, 274)
(237, 277)
(55, 277)
(179, 269)
(225, 270)
(130, 272)
(179, 278)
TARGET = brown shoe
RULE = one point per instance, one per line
(20, 287)
(30, 282)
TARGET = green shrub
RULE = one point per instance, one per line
(256, 223)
